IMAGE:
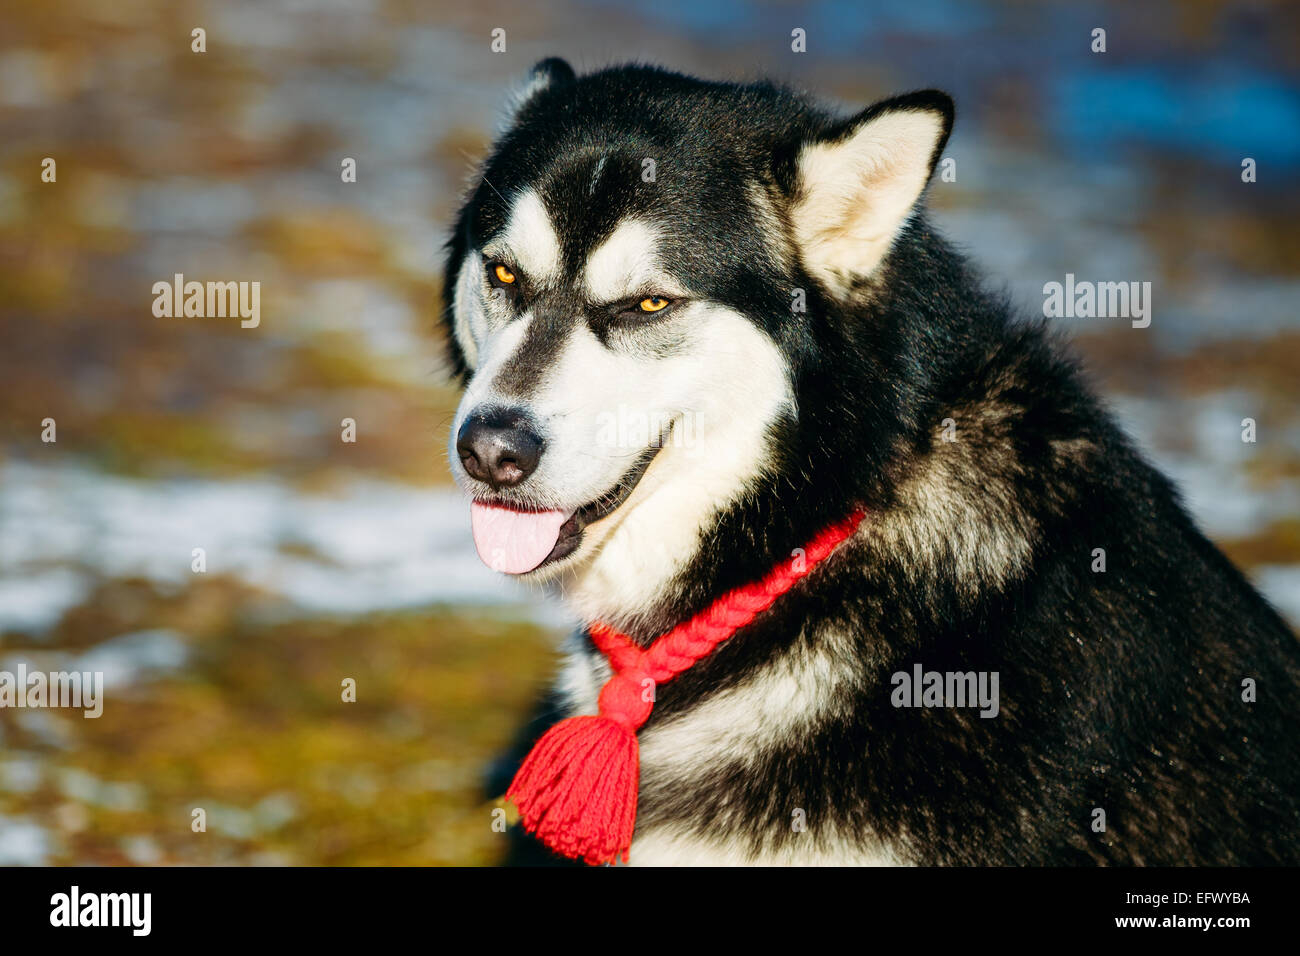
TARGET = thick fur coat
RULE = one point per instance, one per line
(824, 346)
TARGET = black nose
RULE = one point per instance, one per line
(497, 446)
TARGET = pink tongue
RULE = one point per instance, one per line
(514, 541)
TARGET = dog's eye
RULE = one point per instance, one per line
(654, 303)
(502, 273)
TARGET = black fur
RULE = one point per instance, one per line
(1120, 690)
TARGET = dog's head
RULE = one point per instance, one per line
(632, 291)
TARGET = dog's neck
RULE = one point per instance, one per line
(636, 563)
(666, 535)
(665, 560)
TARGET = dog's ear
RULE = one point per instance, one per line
(546, 74)
(856, 185)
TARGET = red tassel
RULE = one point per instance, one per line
(577, 788)
(576, 791)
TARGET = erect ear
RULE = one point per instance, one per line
(545, 74)
(857, 185)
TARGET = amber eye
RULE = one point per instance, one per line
(654, 303)
(503, 274)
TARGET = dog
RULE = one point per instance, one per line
(698, 322)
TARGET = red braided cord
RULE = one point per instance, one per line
(696, 638)
(622, 651)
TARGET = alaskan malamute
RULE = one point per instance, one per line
(698, 323)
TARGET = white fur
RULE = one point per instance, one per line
(494, 351)
(855, 195)
(734, 383)
(469, 317)
(528, 242)
(518, 99)
(731, 382)
(664, 847)
(582, 674)
(785, 699)
(625, 264)
(596, 174)
(530, 246)
(983, 528)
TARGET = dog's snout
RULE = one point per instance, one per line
(499, 447)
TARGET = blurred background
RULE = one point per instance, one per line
(329, 560)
